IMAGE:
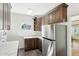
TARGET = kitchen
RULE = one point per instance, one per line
(34, 31)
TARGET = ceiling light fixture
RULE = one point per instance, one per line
(29, 11)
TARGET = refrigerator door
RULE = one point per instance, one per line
(46, 45)
(48, 31)
(45, 30)
(51, 49)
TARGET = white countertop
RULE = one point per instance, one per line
(32, 37)
(10, 49)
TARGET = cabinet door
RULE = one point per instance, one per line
(51, 18)
(36, 43)
(40, 22)
(46, 20)
(40, 45)
(63, 15)
(28, 44)
(43, 20)
(37, 24)
(31, 43)
(57, 16)
(54, 17)
(1, 16)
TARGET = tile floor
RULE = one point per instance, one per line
(36, 52)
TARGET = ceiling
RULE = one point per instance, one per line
(42, 8)
(38, 8)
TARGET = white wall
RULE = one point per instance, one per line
(74, 18)
(17, 20)
(16, 32)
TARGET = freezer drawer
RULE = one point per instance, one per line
(47, 47)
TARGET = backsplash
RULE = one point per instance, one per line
(37, 33)
(3, 36)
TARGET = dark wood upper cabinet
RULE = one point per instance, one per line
(5, 16)
(37, 24)
(51, 18)
(43, 20)
(56, 15)
(46, 19)
(61, 13)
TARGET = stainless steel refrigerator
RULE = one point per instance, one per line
(48, 41)
(54, 42)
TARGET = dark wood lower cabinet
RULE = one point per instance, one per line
(40, 45)
(32, 43)
(27, 44)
